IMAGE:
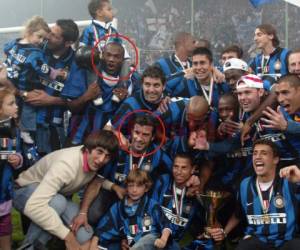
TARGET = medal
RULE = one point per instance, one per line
(147, 166)
(264, 204)
(277, 65)
(208, 97)
(266, 219)
(133, 165)
(178, 205)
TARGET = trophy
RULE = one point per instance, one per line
(212, 201)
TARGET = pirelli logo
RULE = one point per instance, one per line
(179, 221)
(274, 218)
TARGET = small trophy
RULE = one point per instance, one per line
(212, 201)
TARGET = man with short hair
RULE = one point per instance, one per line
(143, 153)
(232, 51)
(99, 111)
(268, 203)
(148, 98)
(170, 192)
(185, 43)
(44, 190)
(202, 83)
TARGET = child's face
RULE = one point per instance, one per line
(9, 107)
(38, 37)
(135, 191)
(106, 13)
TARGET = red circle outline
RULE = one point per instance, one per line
(161, 124)
(98, 73)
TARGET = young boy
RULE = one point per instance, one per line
(137, 221)
(102, 13)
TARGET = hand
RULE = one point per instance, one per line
(216, 233)
(124, 244)
(245, 130)
(93, 91)
(38, 97)
(229, 127)
(121, 93)
(14, 160)
(121, 192)
(218, 76)
(94, 243)
(78, 221)
(160, 243)
(201, 141)
(164, 104)
(193, 185)
(189, 73)
(291, 173)
(71, 242)
(192, 139)
(275, 119)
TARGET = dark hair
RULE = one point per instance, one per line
(234, 48)
(234, 100)
(185, 155)
(269, 143)
(140, 177)
(270, 30)
(292, 79)
(104, 139)
(203, 43)
(70, 31)
(154, 72)
(203, 51)
(95, 5)
(145, 120)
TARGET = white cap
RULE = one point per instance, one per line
(250, 81)
(235, 63)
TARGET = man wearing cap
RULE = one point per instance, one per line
(234, 69)
(250, 92)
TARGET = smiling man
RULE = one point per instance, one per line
(202, 84)
(170, 192)
(268, 203)
(148, 98)
(44, 188)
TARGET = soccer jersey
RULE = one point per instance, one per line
(163, 193)
(279, 223)
(131, 222)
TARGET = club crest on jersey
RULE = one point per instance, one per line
(279, 201)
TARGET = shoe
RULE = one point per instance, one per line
(26, 246)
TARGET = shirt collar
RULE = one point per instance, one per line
(102, 24)
(86, 167)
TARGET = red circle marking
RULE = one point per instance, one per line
(161, 124)
(104, 38)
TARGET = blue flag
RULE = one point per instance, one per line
(257, 3)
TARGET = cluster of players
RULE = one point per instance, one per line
(144, 149)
